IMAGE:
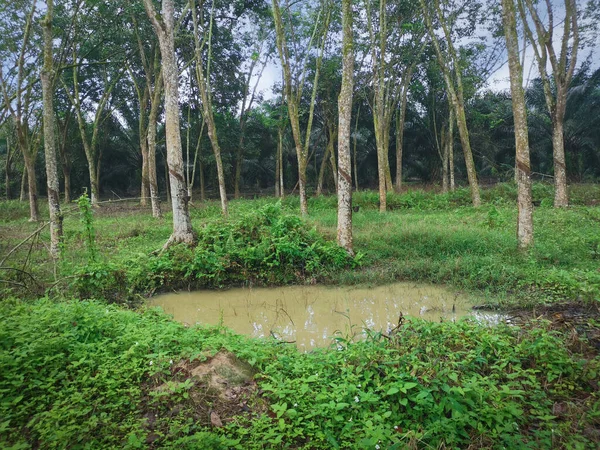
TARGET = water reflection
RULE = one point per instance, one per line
(311, 315)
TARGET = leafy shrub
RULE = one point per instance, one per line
(264, 246)
(75, 375)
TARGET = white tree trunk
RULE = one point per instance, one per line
(525, 206)
(49, 138)
(344, 229)
(164, 27)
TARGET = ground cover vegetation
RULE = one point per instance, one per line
(151, 111)
(74, 359)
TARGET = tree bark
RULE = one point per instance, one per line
(563, 67)
(524, 203)
(399, 144)
(47, 77)
(9, 156)
(151, 139)
(23, 183)
(203, 84)
(34, 211)
(454, 87)
(281, 185)
(164, 27)
(344, 229)
(322, 168)
(451, 150)
(561, 195)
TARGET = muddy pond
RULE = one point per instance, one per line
(310, 316)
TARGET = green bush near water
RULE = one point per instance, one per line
(265, 246)
(77, 375)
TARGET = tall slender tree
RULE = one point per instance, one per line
(451, 67)
(48, 83)
(525, 207)
(563, 63)
(293, 84)
(344, 229)
(203, 78)
(164, 26)
(21, 112)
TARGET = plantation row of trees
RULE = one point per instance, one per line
(163, 98)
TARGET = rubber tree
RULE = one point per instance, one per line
(89, 78)
(394, 46)
(294, 67)
(145, 72)
(19, 96)
(260, 53)
(344, 228)
(524, 203)
(203, 76)
(48, 78)
(563, 62)
(164, 27)
(451, 68)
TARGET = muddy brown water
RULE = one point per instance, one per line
(311, 316)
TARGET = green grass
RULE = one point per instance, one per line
(87, 375)
(430, 237)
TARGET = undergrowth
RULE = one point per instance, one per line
(264, 246)
(80, 375)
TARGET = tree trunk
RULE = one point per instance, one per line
(145, 187)
(23, 183)
(202, 183)
(561, 195)
(463, 132)
(455, 93)
(151, 139)
(281, 185)
(203, 84)
(34, 212)
(8, 169)
(49, 138)
(524, 203)
(354, 152)
(212, 134)
(322, 169)
(445, 154)
(164, 27)
(563, 63)
(277, 167)
(344, 229)
(399, 144)
(67, 178)
(389, 186)
(451, 150)
(93, 173)
(333, 167)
